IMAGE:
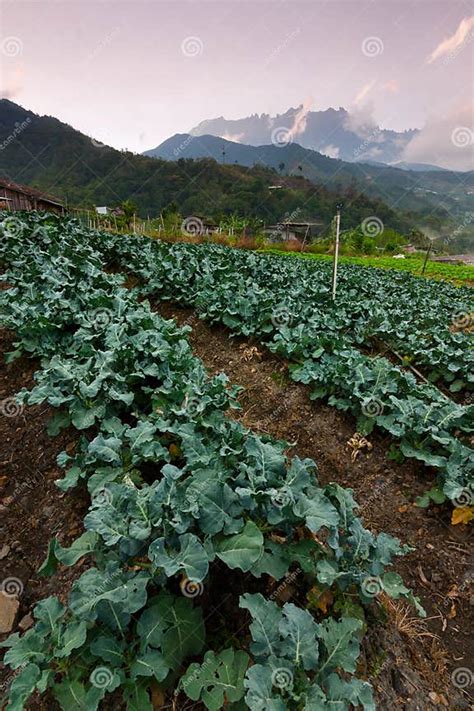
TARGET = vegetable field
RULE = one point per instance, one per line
(182, 500)
(338, 348)
(456, 273)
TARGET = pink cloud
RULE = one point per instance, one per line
(454, 42)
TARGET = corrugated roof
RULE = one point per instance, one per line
(27, 190)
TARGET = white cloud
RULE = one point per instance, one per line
(444, 141)
(451, 44)
(299, 121)
(361, 120)
(330, 151)
(235, 137)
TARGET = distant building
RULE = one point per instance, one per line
(302, 231)
(14, 196)
(102, 210)
(409, 248)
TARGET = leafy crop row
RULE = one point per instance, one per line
(455, 273)
(189, 511)
(287, 304)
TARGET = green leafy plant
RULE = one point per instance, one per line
(181, 496)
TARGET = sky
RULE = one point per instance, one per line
(132, 73)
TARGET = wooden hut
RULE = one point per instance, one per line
(14, 196)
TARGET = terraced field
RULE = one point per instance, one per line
(215, 568)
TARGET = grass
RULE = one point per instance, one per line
(455, 273)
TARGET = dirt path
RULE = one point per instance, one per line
(421, 657)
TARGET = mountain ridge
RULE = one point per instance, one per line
(336, 132)
(58, 159)
(425, 192)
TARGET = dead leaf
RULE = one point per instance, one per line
(174, 450)
(452, 612)
(250, 352)
(453, 592)
(463, 515)
(358, 442)
(403, 509)
(322, 599)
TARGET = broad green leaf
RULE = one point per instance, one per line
(150, 663)
(48, 613)
(261, 694)
(73, 695)
(105, 449)
(317, 510)
(192, 557)
(110, 595)
(73, 636)
(354, 692)
(266, 616)
(341, 645)
(82, 546)
(299, 631)
(243, 549)
(393, 585)
(174, 625)
(22, 687)
(109, 649)
(274, 561)
(220, 677)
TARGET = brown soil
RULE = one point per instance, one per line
(417, 659)
(32, 508)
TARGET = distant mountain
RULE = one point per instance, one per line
(336, 133)
(440, 198)
(417, 166)
(403, 165)
(50, 155)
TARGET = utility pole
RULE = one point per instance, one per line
(336, 251)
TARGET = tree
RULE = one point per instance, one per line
(129, 210)
(281, 167)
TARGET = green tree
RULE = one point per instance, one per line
(129, 209)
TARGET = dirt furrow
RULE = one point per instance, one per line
(32, 508)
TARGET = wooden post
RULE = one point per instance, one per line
(336, 252)
(305, 236)
(426, 256)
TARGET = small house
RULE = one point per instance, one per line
(14, 196)
(301, 231)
